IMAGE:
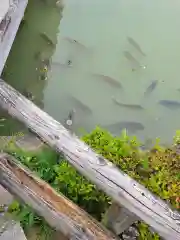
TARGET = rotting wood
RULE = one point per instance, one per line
(58, 211)
(123, 189)
(118, 219)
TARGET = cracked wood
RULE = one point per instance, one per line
(57, 210)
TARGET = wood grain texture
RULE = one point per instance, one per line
(123, 189)
(58, 211)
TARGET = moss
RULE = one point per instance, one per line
(157, 169)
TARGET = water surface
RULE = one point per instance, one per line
(103, 28)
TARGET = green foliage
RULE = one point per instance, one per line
(79, 190)
(146, 234)
(177, 137)
(24, 213)
(157, 169)
(43, 164)
(29, 219)
(65, 179)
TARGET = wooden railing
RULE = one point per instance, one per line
(58, 211)
(132, 201)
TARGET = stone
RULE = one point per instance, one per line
(130, 234)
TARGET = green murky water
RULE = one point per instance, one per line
(102, 29)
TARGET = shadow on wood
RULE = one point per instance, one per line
(123, 189)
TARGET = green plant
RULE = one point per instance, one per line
(145, 233)
(65, 179)
(80, 190)
(157, 169)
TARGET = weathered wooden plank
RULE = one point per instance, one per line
(10, 229)
(58, 211)
(118, 219)
(5, 197)
(104, 174)
(16, 14)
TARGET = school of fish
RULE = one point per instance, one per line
(131, 126)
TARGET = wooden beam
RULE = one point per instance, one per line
(123, 189)
(118, 219)
(58, 211)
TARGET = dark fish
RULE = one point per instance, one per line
(151, 88)
(111, 81)
(132, 106)
(47, 39)
(129, 126)
(135, 45)
(71, 114)
(69, 63)
(174, 105)
(75, 42)
(132, 59)
(81, 105)
(70, 119)
(61, 65)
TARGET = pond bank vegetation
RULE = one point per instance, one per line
(157, 169)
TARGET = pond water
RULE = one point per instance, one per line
(123, 63)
